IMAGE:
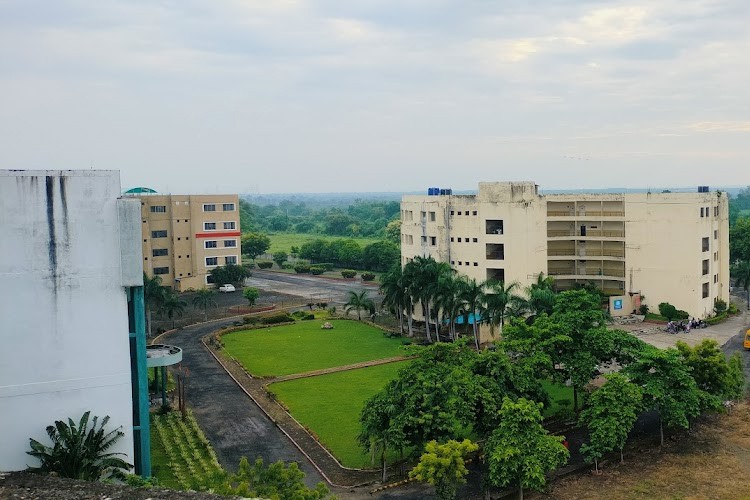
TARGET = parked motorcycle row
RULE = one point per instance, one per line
(684, 326)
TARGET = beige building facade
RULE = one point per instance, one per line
(185, 236)
(650, 247)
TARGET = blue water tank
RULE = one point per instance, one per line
(449, 191)
(430, 192)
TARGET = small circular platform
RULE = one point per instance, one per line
(162, 355)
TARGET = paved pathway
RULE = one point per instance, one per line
(234, 425)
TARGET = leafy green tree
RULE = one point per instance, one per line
(230, 273)
(498, 299)
(668, 387)
(520, 451)
(443, 466)
(314, 250)
(393, 231)
(737, 383)
(610, 416)
(338, 224)
(739, 240)
(254, 244)
(712, 372)
(741, 272)
(204, 299)
(276, 481)
(381, 256)
(345, 253)
(251, 294)
(172, 305)
(153, 296)
(380, 429)
(396, 296)
(280, 257)
(472, 294)
(80, 452)
(358, 302)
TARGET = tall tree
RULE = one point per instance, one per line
(204, 299)
(280, 257)
(358, 302)
(610, 415)
(739, 240)
(172, 305)
(254, 244)
(472, 295)
(520, 451)
(153, 296)
(396, 295)
(444, 466)
(741, 272)
(498, 299)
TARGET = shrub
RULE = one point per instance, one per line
(80, 452)
(302, 268)
(732, 309)
(251, 320)
(719, 306)
(265, 264)
(368, 276)
(287, 265)
(682, 314)
(303, 315)
(276, 319)
(348, 273)
(328, 266)
(668, 311)
(717, 319)
(643, 310)
(316, 270)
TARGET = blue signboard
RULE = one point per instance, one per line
(618, 304)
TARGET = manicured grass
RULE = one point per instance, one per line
(305, 346)
(557, 393)
(329, 405)
(160, 467)
(285, 241)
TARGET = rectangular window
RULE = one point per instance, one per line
(230, 225)
(474, 240)
(424, 239)
(459, 240)
(451, 238)
(459, 212)
(159, 234)
(705, 267)
(494, 227)
(228, 207)
(230, 243)
(433, 240)
(705, 244)
(716, 211)
(423, 215)
(474, 212)
(159, 252)
(230, 259)
(158, 209)
(161, 270)
(209, 226)
(212, 261)
(432, 216)
(705, 290)
(716, 256)
(476, 264)
(716, 278)
(495, 251)
(209, 207)
(452, 212)
(716, 234)
(702, 214)
(209, 244)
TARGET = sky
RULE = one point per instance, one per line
(265, 96)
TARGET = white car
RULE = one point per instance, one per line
(227, 288)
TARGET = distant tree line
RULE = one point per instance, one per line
(378, 256)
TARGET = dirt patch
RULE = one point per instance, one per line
(706, 463)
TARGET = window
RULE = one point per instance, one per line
(212, 261)
(230, 225)
(707, 212)
(452, 212)
(433, 240)
(209, 226)
(459, 240)
(158, 209)
(476, 264)
(210, 244)
(705, 244)
(467, 213)
(716, 256)
(716, 278)
(451, 238)
(495, 251)
(209, 207)
(705, 290)
(228, 207)
(161, 270)
(162, 233)
(230, 259)
(424, 239)
(432, 216)
(474, 212)
(716, 234)
(459, 212)
(716, 211)
(230, 243)
(453, 263)
(702, 214)
(705, 267)
(159, 252)
(474, 240)
(423, 215)
(494, 227)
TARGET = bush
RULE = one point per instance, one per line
(719, 306)
(348, 273)
(251, 320)
(302, 268)
(717, 319)
(328, 266)
(732, 309)
(303, 315)
(643, 310)
(287, 265)
(316, 270)
(682, 314)
(265, 264)
(276, 319)
(368, 276)
(671, 312)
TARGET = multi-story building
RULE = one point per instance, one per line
(656, 247)
(71, 304)
(185, 236)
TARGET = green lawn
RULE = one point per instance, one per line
(285, 241)
(305, 346)
(557, 393)
(160, 467)
(329, 405)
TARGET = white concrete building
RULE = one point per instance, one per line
(71, 302)
(666, 247)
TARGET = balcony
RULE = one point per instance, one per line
(585, 214)
(596, 233)
(589, 252)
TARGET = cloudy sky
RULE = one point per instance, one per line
(378, 95)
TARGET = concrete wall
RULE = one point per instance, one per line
(65, 338)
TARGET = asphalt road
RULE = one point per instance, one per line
(232, 422)
(315, 288)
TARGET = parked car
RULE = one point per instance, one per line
(228, 288)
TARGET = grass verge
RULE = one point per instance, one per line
(283, 242)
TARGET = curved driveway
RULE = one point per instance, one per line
(232, 422)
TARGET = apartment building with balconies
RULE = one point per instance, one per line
(662, 247)
(185, 236)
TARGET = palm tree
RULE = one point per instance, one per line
(449, 301)
(472, 296)
(359, 301)
(204, 299)
(395, 295)
(426, 276)
(541, 295)
(741, 272)
(172, 305)
(498, 299)
(153, 296)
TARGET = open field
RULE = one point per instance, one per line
(284, 241)
(305, 346)
(329, 405)
(708, 463)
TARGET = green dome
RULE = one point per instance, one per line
(140, 190)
